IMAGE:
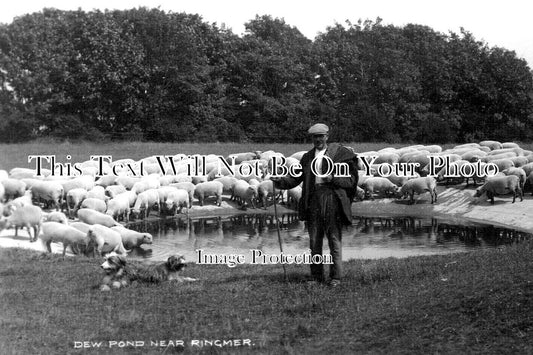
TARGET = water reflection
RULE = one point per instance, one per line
(367, 237)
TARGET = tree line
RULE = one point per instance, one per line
(147, 74)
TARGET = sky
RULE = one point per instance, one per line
(498, 23)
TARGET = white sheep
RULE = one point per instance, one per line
(187, 186)
(146, 184)
(119, 207)
(518, 172)
(133, 239)
(74, 199)
(13, 188)
(65, 234)
(94, 204)
(106, 180)
(209, 188)
(127, 181)
(55, 216)
(106, 239)
(265, 190)
(419, 186)
(114, 190)
(294, 195)
(244, 193)
(176, 200)
(97, 192)
(147, 200)
(49, 192)
(25, 216)
(94, 217)
(501, 185)
(228, 183)
(84, 182)
(375, 184)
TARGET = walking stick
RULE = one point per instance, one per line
(279, 234)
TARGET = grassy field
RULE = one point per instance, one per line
(477, 302)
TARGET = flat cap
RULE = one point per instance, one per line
(318, 128)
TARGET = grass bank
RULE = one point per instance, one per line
(478, 302)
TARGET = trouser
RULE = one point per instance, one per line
(325, 210)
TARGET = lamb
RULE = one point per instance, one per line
(106, 239)
(55, 216)
(419, 186)
(500, 186)
(378, 184)
(94, 217)
(25, 216)
(147, 200)
(13, 188)
(133, 239)
(530, 181)
(176, 200)
(187, 186)
(61, 233)
(74, 199)
(119, 206)
(209, 188)
(94, 204)
(244, 192)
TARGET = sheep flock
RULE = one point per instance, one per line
(88, 209)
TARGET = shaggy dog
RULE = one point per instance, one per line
(120, 274)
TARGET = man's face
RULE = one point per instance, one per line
(319, 141)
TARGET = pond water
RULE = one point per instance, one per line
(367, 238)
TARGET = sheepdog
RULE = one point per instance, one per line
(119, 273)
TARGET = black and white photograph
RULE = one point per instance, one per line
(266, 177)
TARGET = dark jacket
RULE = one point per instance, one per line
(345, 187)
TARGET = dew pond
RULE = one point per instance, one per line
(367, 238)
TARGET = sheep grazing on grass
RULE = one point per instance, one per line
(207, 189)
(419, 186)
(67, 235)
(25, 216)
(376, 184)
(501, 185)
